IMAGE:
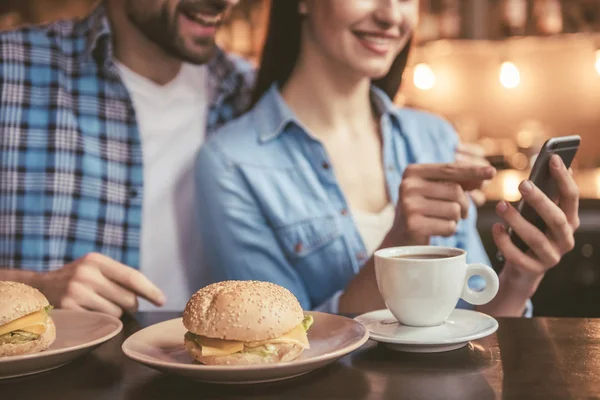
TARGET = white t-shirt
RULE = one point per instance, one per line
(374, 227)
(172, 125)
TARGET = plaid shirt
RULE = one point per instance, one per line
(71, 178)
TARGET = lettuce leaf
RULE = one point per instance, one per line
(307, 322)
(192, 337)
(263, 351)
(16, 337)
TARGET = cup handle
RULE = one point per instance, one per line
(491, 285)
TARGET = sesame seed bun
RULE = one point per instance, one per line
(18, 300)
(245, 311)
(34, 346)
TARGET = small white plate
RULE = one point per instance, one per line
(160, 346)
(77, 333)
(461, 327)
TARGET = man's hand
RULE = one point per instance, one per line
(472, 154)
(98, 283)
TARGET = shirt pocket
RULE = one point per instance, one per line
(319, 253)
(301, 239)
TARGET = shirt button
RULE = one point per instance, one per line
(391, 168)
(326, 165)
(299, 247)
(344, 212)
(361, 256)
(133, 192)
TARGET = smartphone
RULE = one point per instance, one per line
(566, 147)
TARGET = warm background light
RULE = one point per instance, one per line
(424, 78)
(510, 77)
(557, 94)
(519, 161)
(510, 185)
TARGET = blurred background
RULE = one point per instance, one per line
(508, 74)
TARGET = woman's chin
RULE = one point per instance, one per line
(375, 72)
(379, 75)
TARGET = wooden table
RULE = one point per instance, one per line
(526, 359)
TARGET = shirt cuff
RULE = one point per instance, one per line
(331, 305)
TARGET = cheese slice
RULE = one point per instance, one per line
(34, 323)
(295, 336)
(220, 347)
(38, 328)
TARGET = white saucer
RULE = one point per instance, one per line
(461, 327)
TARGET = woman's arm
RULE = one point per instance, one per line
(510, 300)
(523, 272)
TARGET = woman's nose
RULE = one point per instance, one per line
(391, 12)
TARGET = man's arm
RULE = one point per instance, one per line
(27, 277)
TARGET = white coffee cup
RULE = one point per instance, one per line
(423, 291)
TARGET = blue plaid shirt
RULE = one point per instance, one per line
(71, 178)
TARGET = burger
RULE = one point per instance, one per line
(245, 323)
(25, 326)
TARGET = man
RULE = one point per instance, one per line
(98, 117)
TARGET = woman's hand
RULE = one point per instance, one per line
(473, 154)
(433, 199)
(546, 248)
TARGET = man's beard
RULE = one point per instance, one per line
(163, 29)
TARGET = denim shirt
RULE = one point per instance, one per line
(271, 209)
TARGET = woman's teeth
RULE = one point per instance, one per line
(378, 40)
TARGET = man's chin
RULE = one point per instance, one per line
(194, 54)
(196, 58)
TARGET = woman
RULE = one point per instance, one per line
(325, 169)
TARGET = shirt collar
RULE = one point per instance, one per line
(96, 28)
(383, 104)
(225, 77)
(273, 114)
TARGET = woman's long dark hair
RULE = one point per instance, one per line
(282, 47)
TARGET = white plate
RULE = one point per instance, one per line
(160, 346)
(77, 333)
(461, 327)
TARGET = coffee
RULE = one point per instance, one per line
(423, 256)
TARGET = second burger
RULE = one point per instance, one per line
(245, 322)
